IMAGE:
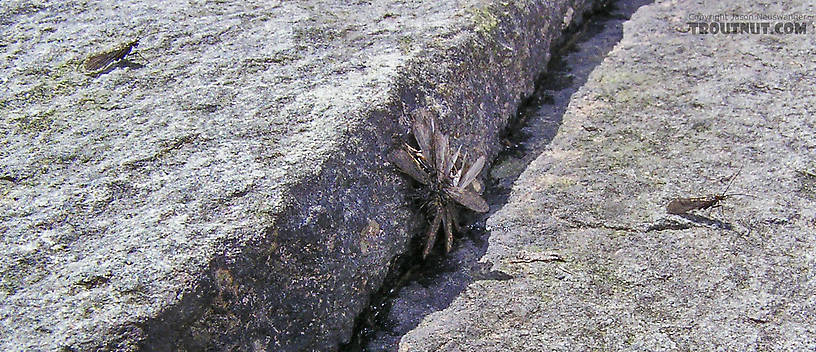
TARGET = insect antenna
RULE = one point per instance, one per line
(723, 195)
(740, 194)
(731, 182)
(140, 56)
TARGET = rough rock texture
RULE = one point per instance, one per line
(598, 264)
(227, 188)
(434, 283)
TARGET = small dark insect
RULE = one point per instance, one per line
(101, 61)
(680, 206)
(443, 177)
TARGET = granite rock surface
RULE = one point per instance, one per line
(225, 185)
(596, 261)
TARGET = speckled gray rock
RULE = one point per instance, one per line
(227, 188)
(598, 264)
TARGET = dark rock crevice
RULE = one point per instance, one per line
(315, 269)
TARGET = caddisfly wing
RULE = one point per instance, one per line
(408, 164)
(469, 199)
(474, 171)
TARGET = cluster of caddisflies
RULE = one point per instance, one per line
(444, 176)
